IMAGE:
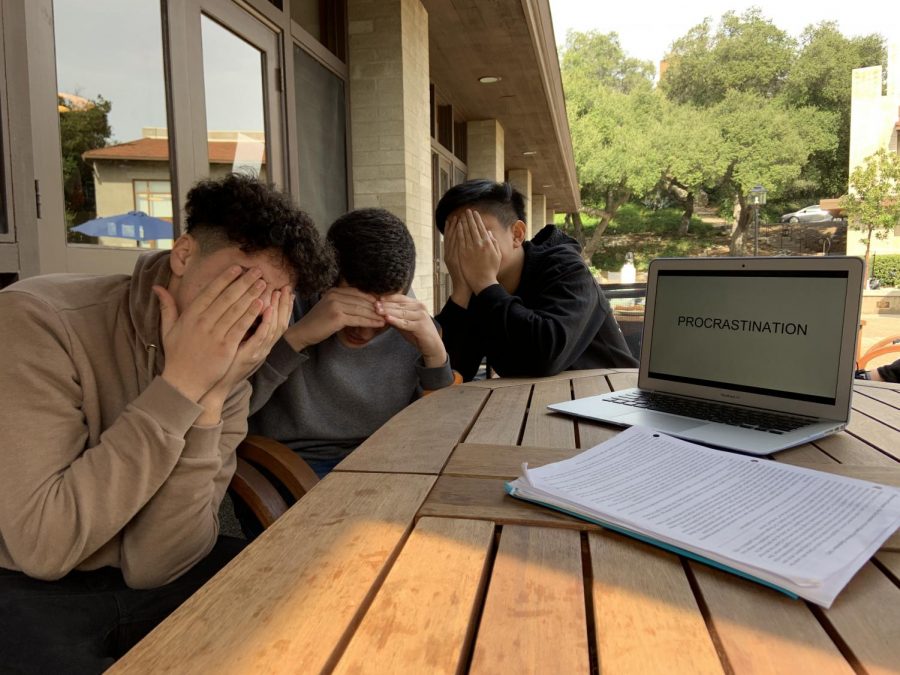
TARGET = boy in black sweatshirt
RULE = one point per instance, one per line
(531, 307)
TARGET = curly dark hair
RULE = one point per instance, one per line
(501, 200)
(374, 250)
(240, 210)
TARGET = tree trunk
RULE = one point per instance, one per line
(578, 226)
(740, 229)
(866, 272)
(613, 203)
(688, 214)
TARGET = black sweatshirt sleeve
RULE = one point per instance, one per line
(890, 372)
(462, 339)
(546, 337)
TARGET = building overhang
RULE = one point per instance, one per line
(833, 206)
(512, 39)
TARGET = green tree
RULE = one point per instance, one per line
(746, 52)
(693, 158)
(617, 154)
(821, 77)
(873, 201)
(614, 116)
(765, 143)
(592, 58)
(82, 129)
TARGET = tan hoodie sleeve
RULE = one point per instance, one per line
(60, 500)
(179, 525)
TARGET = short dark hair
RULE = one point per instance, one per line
(240, 210)
(374, 250)
(501, 200)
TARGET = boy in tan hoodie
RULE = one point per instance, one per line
(121, 404)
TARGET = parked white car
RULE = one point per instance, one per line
(810, 214)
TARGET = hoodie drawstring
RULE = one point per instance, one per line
(151, 360)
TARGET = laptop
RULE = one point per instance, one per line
(748, 354)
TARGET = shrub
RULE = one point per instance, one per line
(886, 268)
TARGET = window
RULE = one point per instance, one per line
(235, 104)
(445, 126)
(112, 109)
(325, 20)
(4, 222)
(154, 197)
(321, 139)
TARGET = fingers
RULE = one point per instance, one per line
(354, 307)
(168, 311)
(235, 313)
(479, 226)
(402, 312)
(285, 309)
(411, 318)
(258, 344)
(243, 323)
(215, 288)
(469, 230)
(494, 244)
(240, 292)
(281, 305)
(451, 235)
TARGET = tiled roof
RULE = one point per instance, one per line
(157, 149)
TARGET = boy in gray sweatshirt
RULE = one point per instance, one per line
(355, 357)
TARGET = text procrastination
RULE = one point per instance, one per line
(745, 325)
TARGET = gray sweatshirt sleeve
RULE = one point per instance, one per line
(434, 378)
(281, 362)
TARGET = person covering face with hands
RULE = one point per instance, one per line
(119, 435)
(531, 307)
(357, 355)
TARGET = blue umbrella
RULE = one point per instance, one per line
(132, 225)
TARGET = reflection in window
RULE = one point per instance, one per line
(4, 223)
(153, 197)
(326, 21)
(321, 137)
(235, 113)
(112, 108)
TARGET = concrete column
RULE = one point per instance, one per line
(485, 150)
(389, 119)
(521, 180)
(538, 209)
(872, 120)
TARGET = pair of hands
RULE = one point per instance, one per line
(346, 307)
(212, 346)
(472, 255)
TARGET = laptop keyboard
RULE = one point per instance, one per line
(748, 418)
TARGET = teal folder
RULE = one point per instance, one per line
(513, 492)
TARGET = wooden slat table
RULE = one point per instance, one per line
(410, 558)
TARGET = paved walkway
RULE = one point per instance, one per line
(879, 326)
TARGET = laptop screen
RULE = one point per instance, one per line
(777, 333)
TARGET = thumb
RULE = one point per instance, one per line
(494, 243)
(168, 311)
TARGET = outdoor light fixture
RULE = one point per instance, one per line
(758, 195)
(489, 79)
(757, 198)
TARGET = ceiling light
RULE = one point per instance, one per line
(548, 185)
(530, 153)
(489, 79)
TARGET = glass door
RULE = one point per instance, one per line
(239, 72)
(445, 173)
(131, 121)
